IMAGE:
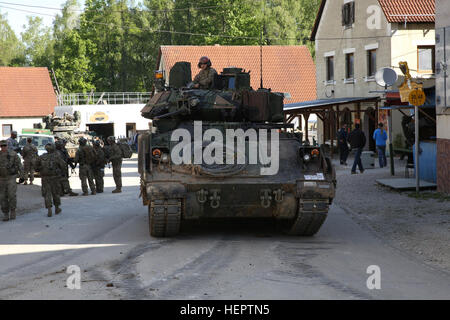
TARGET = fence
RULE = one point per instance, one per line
(94, 98)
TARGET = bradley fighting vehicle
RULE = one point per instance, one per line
(297, 194)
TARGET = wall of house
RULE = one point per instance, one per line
(117, 114)
(18, 124)
(404, 44)
(443, 96)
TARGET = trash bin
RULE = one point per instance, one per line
(368, 160)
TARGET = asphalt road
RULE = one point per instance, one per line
(107, 237)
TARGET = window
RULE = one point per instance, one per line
(425, 59)
(348, 14)
(371, 63)
(349, 66)
(330, 68)
(6, 130)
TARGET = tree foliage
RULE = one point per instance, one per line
(112, 45)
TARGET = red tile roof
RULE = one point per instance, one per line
(414, 10)
(285, 68)
(26, 92)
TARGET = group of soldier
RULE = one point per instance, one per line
(53, 168)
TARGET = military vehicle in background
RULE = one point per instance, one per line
(297, 196)
(65, 128)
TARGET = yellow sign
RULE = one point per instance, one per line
(417, 97)
(406, 89)
(99, 117)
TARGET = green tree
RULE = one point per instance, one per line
(11, 50)
(38, 43)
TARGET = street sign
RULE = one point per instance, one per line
(417, 97)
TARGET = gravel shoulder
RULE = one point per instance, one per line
(419, 226)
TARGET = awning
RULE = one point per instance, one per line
(327, 102)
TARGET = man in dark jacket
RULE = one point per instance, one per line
(357, 141)
(342, 142)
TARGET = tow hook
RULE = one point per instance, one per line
(279, 195)
(215, 198)
(202, 196)
(265, 197)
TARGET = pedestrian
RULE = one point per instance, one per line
(29, 154)
(115, 157)
(13, 145)
(343, 145)
(64, 179)
(380, 137)
(205, 78)
(85, 157)
(99, 166)
(357, 141)
(51, 167)
(10, 168)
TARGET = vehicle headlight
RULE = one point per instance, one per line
(306, 157)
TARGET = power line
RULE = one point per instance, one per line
(206, 34)
(146, 10)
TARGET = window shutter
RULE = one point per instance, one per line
(343, 15)
(352, 12)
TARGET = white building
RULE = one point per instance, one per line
(26, 95)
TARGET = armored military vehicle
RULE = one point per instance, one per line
(64, 127)
(294, 185)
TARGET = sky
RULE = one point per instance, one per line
(17, 19)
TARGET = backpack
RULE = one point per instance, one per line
(126, 150)
(89, 155)
(49, 167)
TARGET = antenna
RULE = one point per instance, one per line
(260, 48)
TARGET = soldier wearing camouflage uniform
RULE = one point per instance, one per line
(115, 157)
(29, 154)
(10, 167)
(99, 167)
(64, 180)
(86, 174)
(51, 166)
(205, 78)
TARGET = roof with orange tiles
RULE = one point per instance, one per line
(26, 92)
(408, 10)
(288, 69)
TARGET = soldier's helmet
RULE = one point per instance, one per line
(203, 60)
(3, 143)
(59, 144)
(50, 147)
(97, 143)
(111, 139)
(82, 141)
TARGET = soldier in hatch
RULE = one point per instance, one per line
(29, 154)
(51, 167)
(205, 78)
(85, 156)
(10, 167)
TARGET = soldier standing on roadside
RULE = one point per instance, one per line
(51, 167)
(99, 166)
(85, 156)
(10, 166)
(64, 180)
(115, 157)
(29, 153)
(13, 145)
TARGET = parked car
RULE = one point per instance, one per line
(39, 140)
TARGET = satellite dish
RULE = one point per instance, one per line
(386, 77)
